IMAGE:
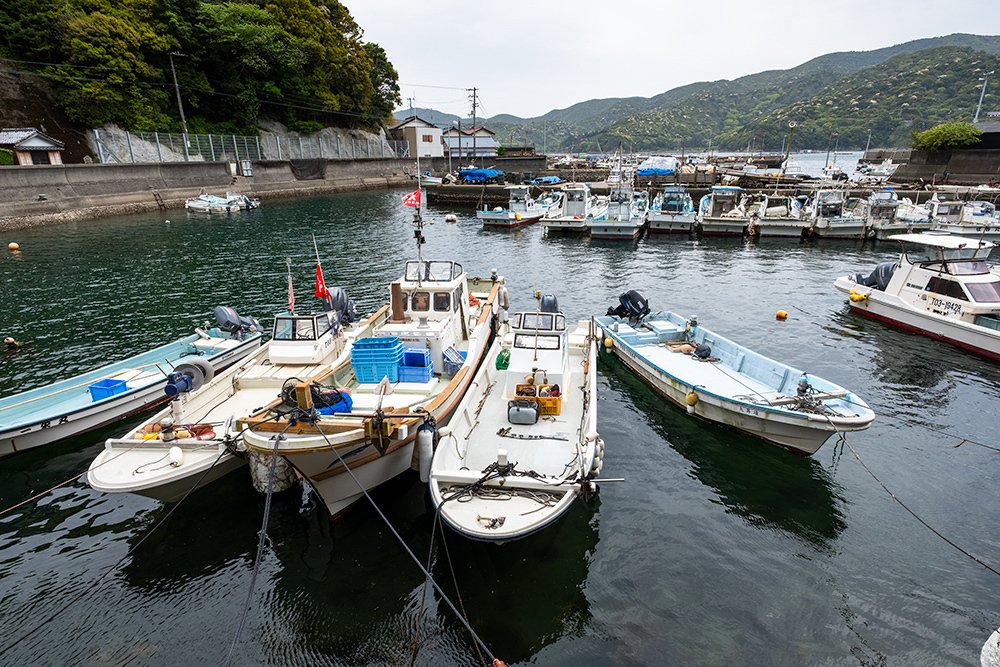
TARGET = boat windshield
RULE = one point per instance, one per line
(973, 268)
(295, 328)
(984, 292)
(532, 341)
(539, 321)
(440, 271)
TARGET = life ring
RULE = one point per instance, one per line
(473, 301)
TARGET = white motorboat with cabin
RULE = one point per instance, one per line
(778, 215)
(881, 210)
(941, 287)
(521, 210)
(113, 392)
(581, 208)
(627, 209)
(672, 211)
(977, 219)
(723, 212)
(826, 212)
(406, 377)
(196, 440)
(719, 380)
(523, 443)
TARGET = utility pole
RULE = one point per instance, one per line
(475, 106)
(869, 142)
(982, 94)
(180, 107)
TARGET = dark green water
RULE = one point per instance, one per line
(716, 550)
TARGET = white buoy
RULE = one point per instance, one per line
(990, 657)
(176, 456)
(501, 457)
(425, 447)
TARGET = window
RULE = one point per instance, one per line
(40, 157)
(442, 302)
(531, 341)
(985, 292)
(305, 329)
(295, 328)
(427, 138)
(421, 301)
(542, 321)
(283, 328)
(946, 287)
(968, 268)
(322, 325)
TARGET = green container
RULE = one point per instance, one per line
(503, 359)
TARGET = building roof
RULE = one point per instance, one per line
(15, 136)
(989, 126)
(481, 142)
(410, 121)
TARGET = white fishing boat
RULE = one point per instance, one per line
(211, 204)
(723, 212)
(552, 202)
(110, 393)
(719, 380)
(828, 217)
(883, 170)
(426, 179)
(579, 210)
(881, 211)
(196, 439)
(672, 211)
(941, 287)
(242, 201)
(977, 219)
(778, 215)
(521, 210)
(523, 443)
(627, 207)
(405, 377)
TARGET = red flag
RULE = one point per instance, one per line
(412, 199)
(321, 291)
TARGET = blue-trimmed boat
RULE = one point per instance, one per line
(107, 394)
(719, 380)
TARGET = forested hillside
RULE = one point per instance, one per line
(301, 62)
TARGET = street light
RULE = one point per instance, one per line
(982, 94)
(180, 107)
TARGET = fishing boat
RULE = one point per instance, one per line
(406, 377)
(627, 207)
(211, 204)
(941, 287)
(242, 201)
(672, 211)
(521, 210)
(110, 393)
(552, 203)
(723, 212)
(579, 210)
(523, 443)
(976, 219)
(721, 381)
(196, 440)
(778, 215)
(881, 211)
(828, 217)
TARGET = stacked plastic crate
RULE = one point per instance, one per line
(376, 358)
(416, 366)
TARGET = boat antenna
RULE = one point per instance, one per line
(538, 314)
(291, 291)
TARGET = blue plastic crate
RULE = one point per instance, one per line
(452, 367)
(416, 373)
(372, 373)
(414, 358)
(106, 388)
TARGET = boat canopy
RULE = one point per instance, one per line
(478, 175)
(657, 165)
(300, 327)
(546, 180)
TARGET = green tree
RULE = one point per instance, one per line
(384, 80)
(947, 136)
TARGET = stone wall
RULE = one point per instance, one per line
(959, 167)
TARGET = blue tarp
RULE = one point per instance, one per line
(546, 180)
(478, 175)
(654, 172)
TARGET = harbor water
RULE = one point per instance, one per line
(716, 549)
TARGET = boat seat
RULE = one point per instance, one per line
(646, 338)
(664, 328)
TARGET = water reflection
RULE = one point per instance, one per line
(765, 486)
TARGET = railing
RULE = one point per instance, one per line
(132, 147)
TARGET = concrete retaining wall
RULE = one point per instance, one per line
(959, 167)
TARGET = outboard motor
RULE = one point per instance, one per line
(231, 321)
(879, 278)
(548, 304)
(341, 304)
(632, 305)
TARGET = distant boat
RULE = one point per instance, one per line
(107, 394)
(719, 380)
(779, 215)
(881, 211)
(579, 210)
(829, 218)
(941, 287)
(672, 211)
(724, 211)
(232, 202)
(627, 207)
(523, 443)
(521, 209)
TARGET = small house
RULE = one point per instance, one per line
(31, 146)
(472, 142)
(422, 137)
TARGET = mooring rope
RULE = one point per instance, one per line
(131, 550)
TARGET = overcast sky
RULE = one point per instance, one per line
(530, 56)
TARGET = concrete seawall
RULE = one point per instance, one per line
(43, 195)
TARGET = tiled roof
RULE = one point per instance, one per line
(12, 136)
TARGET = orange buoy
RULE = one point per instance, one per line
(781, 315)
(13, 247)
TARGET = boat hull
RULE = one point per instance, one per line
(723, 226)
(892, 310)
(509, 222)
(95, 415)
(666, 223)
(567, 225)
(614, 230)
(781, 228)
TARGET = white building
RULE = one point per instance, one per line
(423, 138)
(473, 142)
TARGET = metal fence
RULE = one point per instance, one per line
(132, 147)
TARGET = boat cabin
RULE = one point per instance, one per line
(577, 200)
(943, 207)
(302, 339)
(979, 212)
(673, 199)
(519, 198)
(428, 307)
(720, 200)
(948, 275)
(828, 204)
(882, 205)
(776, 207)
(538, 356)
